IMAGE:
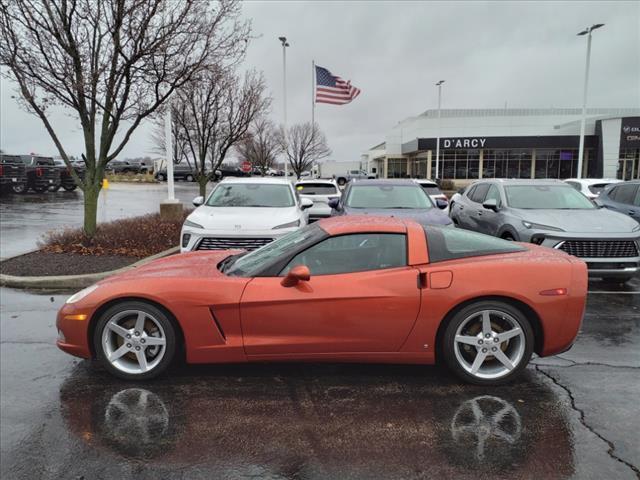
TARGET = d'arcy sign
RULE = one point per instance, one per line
(463, 142)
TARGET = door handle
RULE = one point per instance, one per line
(479, 213)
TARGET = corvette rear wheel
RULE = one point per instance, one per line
(134, 340)
(488, 343)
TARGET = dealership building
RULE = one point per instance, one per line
(510, 143)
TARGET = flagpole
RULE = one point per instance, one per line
(313, 93)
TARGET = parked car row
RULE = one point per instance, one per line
(21, 173)
(553, 214)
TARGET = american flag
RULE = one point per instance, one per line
(333, 89)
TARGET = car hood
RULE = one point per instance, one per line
(242, 218)
(194, 264)
(580, 221)
(432, 216)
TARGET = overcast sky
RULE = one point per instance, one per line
(524, 54)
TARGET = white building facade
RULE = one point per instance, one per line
(511, 143)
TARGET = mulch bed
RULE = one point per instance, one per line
(49, 264)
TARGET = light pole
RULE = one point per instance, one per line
(285, 44)
(439, 85)
(587, 31)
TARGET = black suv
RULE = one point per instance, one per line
(66, 179)
(42, 173)
(122, 166)
(181, 171)
(13, 173)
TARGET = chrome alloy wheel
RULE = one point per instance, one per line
(134, 341)
(489, 344)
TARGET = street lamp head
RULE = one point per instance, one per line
(284, 42)
(439, 83)
(591, 29)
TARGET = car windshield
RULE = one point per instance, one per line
(563, 197)
(250, 264)
(251, 195)
(316, 189)
(388, 196)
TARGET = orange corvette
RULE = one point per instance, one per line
(345, 289)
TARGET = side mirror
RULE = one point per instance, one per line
(306, 203)
(333, 203)
(491, 204)
(299, 273)
(441, 203)
(198, 201)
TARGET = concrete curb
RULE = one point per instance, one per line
(74, 281)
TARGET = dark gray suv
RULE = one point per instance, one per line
(393, 198)
(553, 214)
(623, 198)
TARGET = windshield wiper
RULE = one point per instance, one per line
(230, 260)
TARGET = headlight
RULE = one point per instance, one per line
(295, 223)
(81, 294)
(188, 223)
(538, 226)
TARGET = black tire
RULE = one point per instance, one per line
(159, 316)
(447, 347)
(190, 178)
(160, 177)
(342, 181)
(507, 236)
(40, 188)
(19, 188)
(54, 188)
(69, 188)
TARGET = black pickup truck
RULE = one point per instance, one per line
(122, 166)
(13, 174)
(66, 179)
(41, 173)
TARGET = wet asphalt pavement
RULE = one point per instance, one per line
(571, 416)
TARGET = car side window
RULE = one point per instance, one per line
(469, 192)
(493, 194)
(353, 253)
(479, 193)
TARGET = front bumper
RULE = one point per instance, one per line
(72, 332)
(196, 236)
(5, 180)
(597, 266)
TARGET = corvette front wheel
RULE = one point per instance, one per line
(488, 343)
(134, 340)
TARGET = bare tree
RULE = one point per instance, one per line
(215, 111)
(112, 63)
(261, 145)
(303, 145)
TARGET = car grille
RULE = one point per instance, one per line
(210, 243)
(600, 248)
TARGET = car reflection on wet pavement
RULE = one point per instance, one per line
(574, 415)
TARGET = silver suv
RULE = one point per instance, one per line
(553, 214)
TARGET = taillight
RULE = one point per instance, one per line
(39, 172)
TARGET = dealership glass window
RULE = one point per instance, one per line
(458, 164)
(629, 164)
(506, 163)
(397, 168)
(557, 163)
(419, 168)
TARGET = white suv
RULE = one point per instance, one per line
(244, 213)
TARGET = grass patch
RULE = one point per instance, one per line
(132, 237)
